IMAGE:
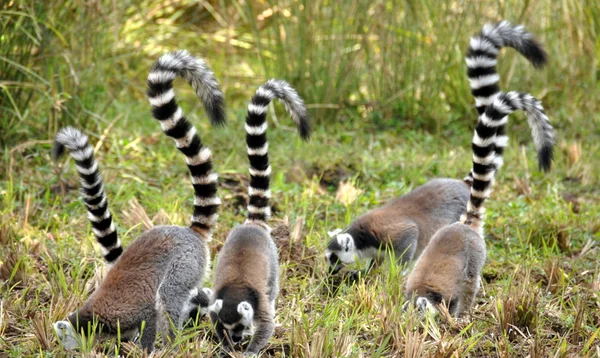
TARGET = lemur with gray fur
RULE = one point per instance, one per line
(246, 276)
(152, 281)
(406, 224)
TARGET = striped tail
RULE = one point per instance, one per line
(166, 110)
(259, 209)
(483, 77)
(485, 156)
(92, 189)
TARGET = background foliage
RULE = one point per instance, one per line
(395, 63)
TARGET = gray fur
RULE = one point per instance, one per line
(148, 284)
(405, 224)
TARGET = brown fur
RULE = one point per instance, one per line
(415, 211)
(134, 276)
(243, 264)
(450, 266)
(247, 270)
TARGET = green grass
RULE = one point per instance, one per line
(541, 276)
(389, 97)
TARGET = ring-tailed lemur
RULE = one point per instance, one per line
(449, 269)
(246, 276)
(406, 224)
(152, 281)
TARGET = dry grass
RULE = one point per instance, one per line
(392, 110)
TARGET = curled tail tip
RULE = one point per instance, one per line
(545, 158)
(521, 39)
(197, 73)
(297, 108)
(535, 53)
(302, 119)
(68, 137)
(58, 150)
(217, 112)
(305, 131)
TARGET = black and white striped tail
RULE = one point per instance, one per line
(484, 79)
(486, 158)
(259, 209)
(92, 189)
(166, 110)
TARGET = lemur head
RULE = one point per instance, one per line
(235, 317)
(340, 251)
(234, 309)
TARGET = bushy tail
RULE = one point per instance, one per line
(483, 76)
(166, 110)
(259, 194)
(485, 156)
(92, 189)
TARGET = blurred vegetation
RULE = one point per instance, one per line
(397, 64)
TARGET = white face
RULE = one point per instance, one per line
(347, 254)
(66, 335)
(341, 251)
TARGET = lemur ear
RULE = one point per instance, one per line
(345, 241)
(216, 307)
(334, 232)
(245, 310)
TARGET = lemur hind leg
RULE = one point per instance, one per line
(470, 289)
(148, 334)
(173, 295)
(264, 331)
(405, 248)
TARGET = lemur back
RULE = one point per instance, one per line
(404, 225)
(152, 281)
(246, 276)
(448, 272)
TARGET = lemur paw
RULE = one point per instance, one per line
(66, 334)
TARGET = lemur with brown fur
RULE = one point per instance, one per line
(449, 269)
(246, 276)
(152, 281)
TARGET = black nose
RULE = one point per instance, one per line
(236, 339)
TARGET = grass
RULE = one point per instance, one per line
(391, 109)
